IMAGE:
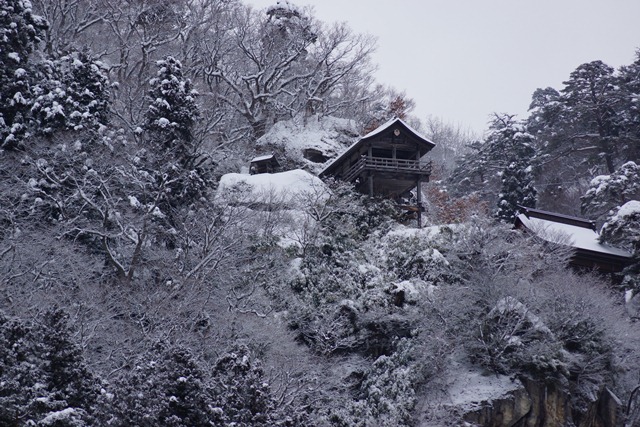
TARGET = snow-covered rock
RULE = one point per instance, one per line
(290, 188)
(311, 144)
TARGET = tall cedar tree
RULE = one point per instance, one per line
(517, 187)
(42, 374)
(169, 123)
(20, 33)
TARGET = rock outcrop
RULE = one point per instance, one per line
(536, 404)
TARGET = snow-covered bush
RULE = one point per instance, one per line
(387, 394)
(416, 257)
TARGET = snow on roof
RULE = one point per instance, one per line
(388, 123)
(284, 187)
(261, 158)
(571, 235)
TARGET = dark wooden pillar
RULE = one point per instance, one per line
(370, 184)
(419, 199)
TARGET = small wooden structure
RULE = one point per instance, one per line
(386, 162)
(578, 233)
(264, 164)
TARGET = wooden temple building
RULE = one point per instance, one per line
(577, 233)
(388, 162)
(264, 164)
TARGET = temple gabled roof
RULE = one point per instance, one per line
(382, 132)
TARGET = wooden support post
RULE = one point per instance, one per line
(419, 198)
(370, 184)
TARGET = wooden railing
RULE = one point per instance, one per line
(383, 164)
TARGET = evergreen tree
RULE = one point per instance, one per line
(242, 394)
(174, 153)
(73, 94)
(517, 190)
(622, 229)
(172, 111)
(629, 81)
(43, 378)
(591, 94)
(20, 32)
(507, 153)
(607, 192)
(167, 387)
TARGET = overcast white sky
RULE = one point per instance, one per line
(461, 60)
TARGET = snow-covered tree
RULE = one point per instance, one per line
(43, 377)
(610, 191)
(166, 387)
(172, 111)
(517, 190)
(174, 154)
(20, 32)
(629, 80)
(622, 227)
(73, 94)
(502, 164)
(591, 94)
(517, 178)
(285, 63)
(585, 128)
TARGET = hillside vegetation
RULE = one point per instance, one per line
(147, 281)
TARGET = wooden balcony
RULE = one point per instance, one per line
(383, 164)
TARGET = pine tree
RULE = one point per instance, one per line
(20, 32)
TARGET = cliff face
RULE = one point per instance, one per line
(536, 404)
